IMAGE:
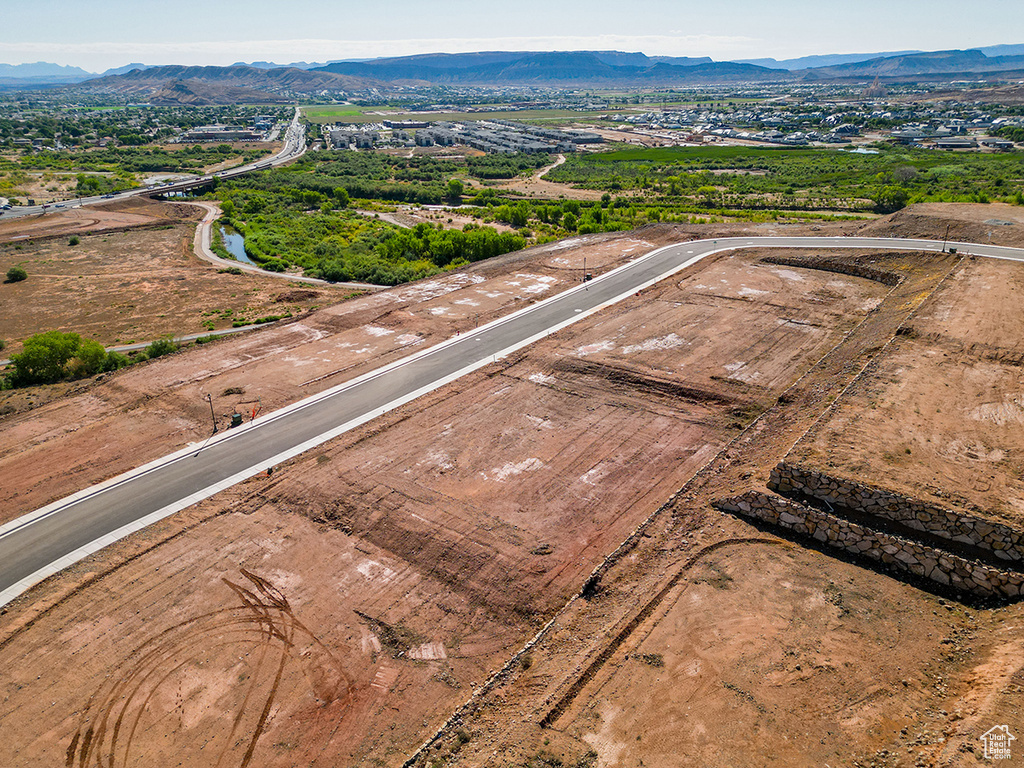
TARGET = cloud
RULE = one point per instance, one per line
(220, 52)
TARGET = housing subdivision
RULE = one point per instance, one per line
(491, 136)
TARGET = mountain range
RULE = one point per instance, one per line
(614, 68)
(239, 84)
(268, 82)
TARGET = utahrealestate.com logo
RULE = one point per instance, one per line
(997, 742)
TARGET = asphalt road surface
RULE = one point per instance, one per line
(46, 541)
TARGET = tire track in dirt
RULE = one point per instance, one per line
(264, 621)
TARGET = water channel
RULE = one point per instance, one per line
(235, 244)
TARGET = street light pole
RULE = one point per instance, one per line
(213, 417)
(945, 238)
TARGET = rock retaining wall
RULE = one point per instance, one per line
(899, 553)
(1004, 542)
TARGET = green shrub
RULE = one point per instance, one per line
(89, 359)
(74, 240)
(116, 361)
(160, 347)
(44, 358)
(16, 274)
(889, 199)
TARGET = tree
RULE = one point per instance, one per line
(44, 358)
(16, 274)
(455, 191)
(707, 195)
(889, 199)
(89, 359)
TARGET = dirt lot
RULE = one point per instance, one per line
(338, 611)
(121, 285)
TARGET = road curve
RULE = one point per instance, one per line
(48, 540)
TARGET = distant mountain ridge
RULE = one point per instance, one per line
(169, 85)
(833, 59)
(558, 67)
(41, 69)
(822, 60)
(951, 62)
(618, 68)
(600, 69)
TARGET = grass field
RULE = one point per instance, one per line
(751, 176)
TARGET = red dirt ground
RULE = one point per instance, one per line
(340, 610)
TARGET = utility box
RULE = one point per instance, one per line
(236, 419)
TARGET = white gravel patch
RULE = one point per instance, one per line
(789, 274)
(572, 242)
(591, 349)
(665, 342)
(502, 473)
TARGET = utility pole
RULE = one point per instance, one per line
(213, 417)
(584, 270)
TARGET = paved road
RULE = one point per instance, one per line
(48, 540)
(295, 146)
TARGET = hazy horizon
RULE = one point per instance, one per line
(104, 34)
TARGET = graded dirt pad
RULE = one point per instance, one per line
(997, 223)
(110, 217)
(707, 627)
(939, 417)
(381, 578)
(196, 659)
(756, 641)
(112, 424)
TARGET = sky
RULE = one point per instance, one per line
(99, 34)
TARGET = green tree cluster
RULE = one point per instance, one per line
(53, 356)
(402, 255)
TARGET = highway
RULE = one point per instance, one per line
(46, 541)
(294, 146)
